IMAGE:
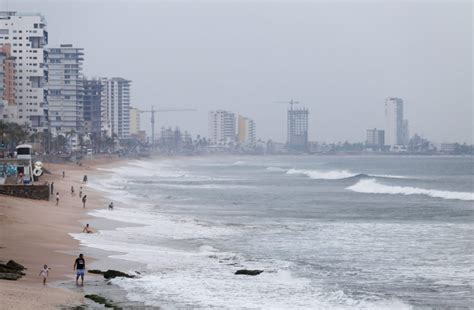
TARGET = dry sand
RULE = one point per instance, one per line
(35, 232)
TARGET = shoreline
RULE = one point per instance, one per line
(35, 232)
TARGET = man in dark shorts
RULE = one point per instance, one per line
(80, 268)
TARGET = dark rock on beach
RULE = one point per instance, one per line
(103, 301)
(110, 274)
(249, 272)
(9, 276)
(96, 271)
(11, 270)
(14, 265)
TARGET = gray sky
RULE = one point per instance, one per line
(340, 59)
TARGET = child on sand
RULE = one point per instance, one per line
(80, 192)
(44, 273)
(57, 198)
(84, 199)
(72, 191)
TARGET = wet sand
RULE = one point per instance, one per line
(35, 232)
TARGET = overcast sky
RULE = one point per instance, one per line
(339, 59)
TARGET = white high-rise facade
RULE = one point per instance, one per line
(395, 133)
(221, 127)
(65, 89)
(116, 105)
(27, 35)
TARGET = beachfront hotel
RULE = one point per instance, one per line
(116, 105)
(26, 34)
(7, 82)
(221, 127)
(65, 89)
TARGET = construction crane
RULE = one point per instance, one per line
(291, 103)
(153, 111)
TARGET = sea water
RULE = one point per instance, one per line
(341, 232)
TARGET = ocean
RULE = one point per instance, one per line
(330, 232)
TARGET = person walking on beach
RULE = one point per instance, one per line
(84, 199)
(87, 229)
(80, 268)
(84, 180)
(64, 174)
(72, 191)
(57, 198)
(111, 206)
(52, 188)
(80, 192)
(44, 273)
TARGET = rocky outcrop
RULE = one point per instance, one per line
(248, 272)
(102, 300)
(15, 266)
(11, 270)
(110, 274)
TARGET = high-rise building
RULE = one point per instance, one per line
(134, 121)
(297, 132)
(92, 107)
(375, 138)
(396, 131)
(246, 130)
(221, 127)
(65, 89)
(7, 84)
(116, 102)
(27, 36)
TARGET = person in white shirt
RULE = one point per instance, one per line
(44, 273)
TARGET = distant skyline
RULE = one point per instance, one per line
(339, 59)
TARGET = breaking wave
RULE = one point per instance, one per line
(329, 175)
(371, 186)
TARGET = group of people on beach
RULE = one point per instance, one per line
(79, 263)
(83, 198)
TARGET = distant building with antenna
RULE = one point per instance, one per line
(297, 131)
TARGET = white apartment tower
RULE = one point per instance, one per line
(396, 130)
(65, 89)
(221, 127)
(27, 36)
(116, 106)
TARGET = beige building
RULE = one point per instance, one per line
(134, 121)
(246, 130)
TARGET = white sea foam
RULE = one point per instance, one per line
(371, 186)
(323, 175)
(277, 169)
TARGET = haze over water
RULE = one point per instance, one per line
(329, 232)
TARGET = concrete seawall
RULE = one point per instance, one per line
(39, 192)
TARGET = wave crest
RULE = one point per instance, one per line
(371, 186)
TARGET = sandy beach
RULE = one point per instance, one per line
(35, 232)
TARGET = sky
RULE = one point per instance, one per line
(340, 59)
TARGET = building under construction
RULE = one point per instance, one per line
(297, 137)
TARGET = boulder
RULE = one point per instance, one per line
(5, 269)
(249, 272)
(110, 274)
(9, 276)
(14, 265)
(101, 300)
(95, 271)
